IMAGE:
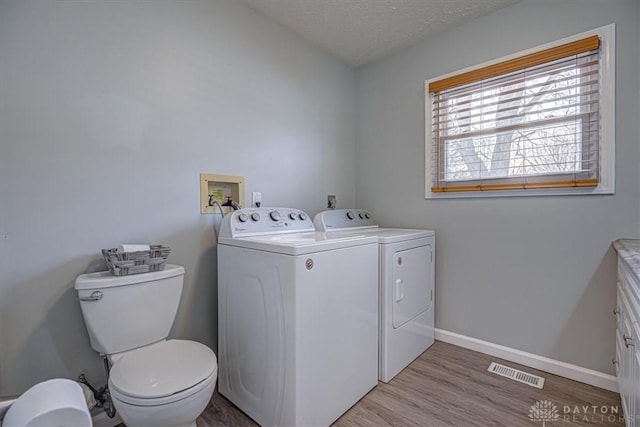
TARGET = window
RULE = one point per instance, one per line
(539, 122)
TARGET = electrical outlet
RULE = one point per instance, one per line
(256, 199)
(331, 201)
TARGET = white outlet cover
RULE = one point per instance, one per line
(331, 201)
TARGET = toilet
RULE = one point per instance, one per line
(153, 381)
(58, 402)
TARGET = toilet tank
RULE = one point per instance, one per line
(126, 312)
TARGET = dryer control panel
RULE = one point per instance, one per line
(340, 219)
(256, 221)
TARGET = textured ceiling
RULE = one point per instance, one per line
(361, 31)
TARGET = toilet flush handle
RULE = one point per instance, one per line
(95, 296)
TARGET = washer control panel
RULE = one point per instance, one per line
(339, 219)
(255, 221)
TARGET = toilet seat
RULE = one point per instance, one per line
(161, 373)
(163, 401)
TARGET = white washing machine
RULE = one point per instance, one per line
(297, 317)
(407, 277)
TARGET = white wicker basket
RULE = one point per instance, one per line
(124, 263)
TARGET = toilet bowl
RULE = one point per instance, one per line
(153, 381)
(57, 402)
(164, 384)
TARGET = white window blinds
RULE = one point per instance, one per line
(530, 122)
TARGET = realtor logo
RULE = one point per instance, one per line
(544, 411)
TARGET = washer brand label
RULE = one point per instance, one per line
(308, 263)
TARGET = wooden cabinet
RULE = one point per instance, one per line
(627, 356)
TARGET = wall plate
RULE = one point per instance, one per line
(331, 201)
(217, 188)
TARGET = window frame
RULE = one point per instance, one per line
(606, 143)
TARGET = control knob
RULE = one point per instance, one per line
(350, 215)
(255, 216)
(293, 216)
(275, 215)
(243, 217)
(302, 216)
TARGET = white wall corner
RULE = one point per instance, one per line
(552, 366)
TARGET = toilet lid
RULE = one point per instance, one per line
(162, 369)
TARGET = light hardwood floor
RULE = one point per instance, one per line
(450, 386)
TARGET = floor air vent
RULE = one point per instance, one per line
(516, 375)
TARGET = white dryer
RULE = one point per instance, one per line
(406, 283)
(297, 317)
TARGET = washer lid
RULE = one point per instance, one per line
(163, 369)
(301, 243)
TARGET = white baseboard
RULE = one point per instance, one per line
(567, 370)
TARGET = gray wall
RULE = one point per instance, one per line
(537, 273)
(110, 110)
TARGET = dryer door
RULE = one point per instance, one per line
(411, 291)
